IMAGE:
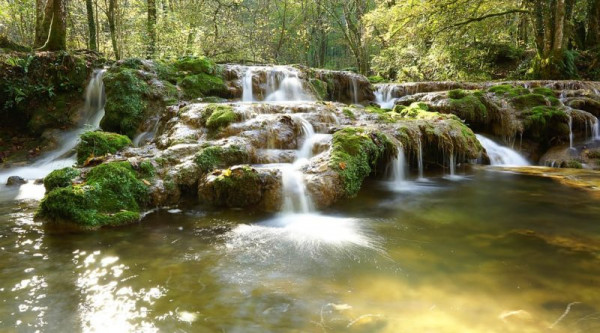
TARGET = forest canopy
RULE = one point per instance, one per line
(408, 40)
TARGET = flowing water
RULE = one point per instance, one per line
(384, 96)
(500, 155)
(64, 155)
(596, 130)
(497, 253)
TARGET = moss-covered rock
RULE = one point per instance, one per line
(214, 157)
(196, 65)
(468, 106)
(127, 95)
(508, 90)
(544, 122)
(112, 194)
(319, 88)
(201, 85)
(528, 101)
(60, 178)
(99, 144)
(355, 154)
(586, 104)
(220, 116)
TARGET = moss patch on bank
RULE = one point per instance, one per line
(94, 144)
(214, 157)
(111, 194)
(356, 153)
(60, 178)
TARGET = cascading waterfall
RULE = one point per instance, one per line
(596, 130)
(64, 156)
(420, 159)
(354, 90)
(452, 165)
(570, 131)
(500, 155)
(247, 93)
(383, 96)
(284, 85)
(398, 173)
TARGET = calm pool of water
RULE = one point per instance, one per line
(493, 252)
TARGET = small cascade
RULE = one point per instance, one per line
(383, 96)
(420, 159)
(500, 155)
(570, 131)
(399, 170)
(284, 85)
(452, 165)
(63, 156)
(354, 90)
(247, 93)
(596, 130)
(147, 136)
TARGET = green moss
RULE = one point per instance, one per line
(60, 178)
(126, 94)
(573, 164)
(200, 85)
(457, 94)
(355, 154)
(214, 157)
(509, 90)
(544, 91)
(319, 88)
(469, 107)
(221, 116)
(196, 65)
(146, 169)
(237, 187)
(528, 101)
(544, 122)
(399, 108)
(111, 195)
(99, 144)
(349, 113)
(376, 79)
(417, 111)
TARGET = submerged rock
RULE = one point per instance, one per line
(15, 181)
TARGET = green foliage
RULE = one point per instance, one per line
(355, 154)
(457, 94)
(214, 157)
(111, 195)
(349, 113)
(220, 116)
(558, 65)
(60, 178)
(376, 79)
(319, 88)
(99, 144)
(126, 95)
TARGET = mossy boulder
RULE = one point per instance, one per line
(468, 106)
(319, 88)
(529, 101)
(201, 85)
(195, 65)
(508, 90)
(355, 155)
(214, 157)
(60, 178)
(99, 144)
(111, 194)
(586, 104)
(220, 116)
(242, 187)
(127, 95)
(542, 123)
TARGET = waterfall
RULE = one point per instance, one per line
(420, 159)
(596, 129)
(383, 96)
(452, 165)
(354, 90)
(295, 197)
(63, 156)
(147, 136)
(284, 85)
(570, 131)
(399, 170)
(247, 94)
(500, 155)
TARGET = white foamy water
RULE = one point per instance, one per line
(501, 155)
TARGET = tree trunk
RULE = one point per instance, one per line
(41, 34)
(592, 39)
(56, 14)
(92, 45)
(151, 26)
(112, 4)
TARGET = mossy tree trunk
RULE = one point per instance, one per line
(151, 27)
(55, 18)
(40, 37)
(112, 5)
(92, 45)
(551, 19)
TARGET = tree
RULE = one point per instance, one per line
(151, 27)
(110, 14)
(89, 6)
(55, 21)
(40, 32)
